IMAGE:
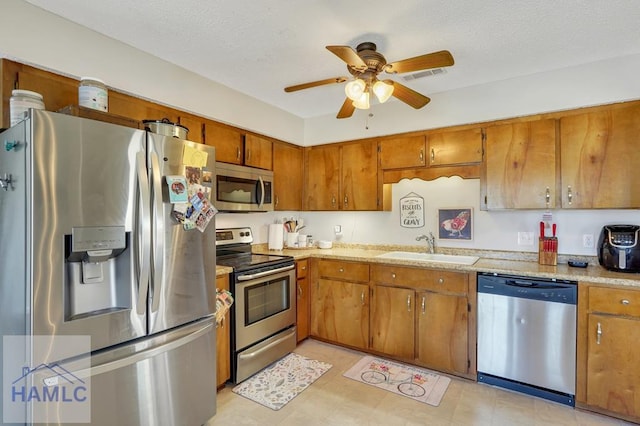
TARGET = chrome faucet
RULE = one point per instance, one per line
(431, 241)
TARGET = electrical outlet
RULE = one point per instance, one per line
(587, 240)
(337, 229)
(525, 238)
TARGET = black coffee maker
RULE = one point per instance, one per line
(619, 248)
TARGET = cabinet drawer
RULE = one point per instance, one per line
(301, 268)
(346, 271)
(428, 279)
(614, 301)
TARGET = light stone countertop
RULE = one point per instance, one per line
(515, 263)
(223, 270)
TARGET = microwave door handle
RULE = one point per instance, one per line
(143, 233)
(158, 233)
(261, 191)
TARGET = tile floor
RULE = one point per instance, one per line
(336, 400)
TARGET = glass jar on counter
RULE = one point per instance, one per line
(92, 93)
(21, 101)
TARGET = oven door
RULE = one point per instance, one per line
(263, 306)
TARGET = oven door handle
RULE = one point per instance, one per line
(265, 273)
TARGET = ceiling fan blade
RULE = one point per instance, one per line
(347, 109)
(408, 96)
(315, 83)
(350, 56)
(439, 59)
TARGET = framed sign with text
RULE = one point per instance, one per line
(412, 211)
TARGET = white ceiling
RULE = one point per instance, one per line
(260, 47)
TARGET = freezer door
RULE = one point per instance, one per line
(82, 185)
(183, 261)
(167, 379)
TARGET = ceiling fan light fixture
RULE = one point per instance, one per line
(383, 91)
(362, 102)
(354, 89)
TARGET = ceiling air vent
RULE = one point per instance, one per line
(422, 74)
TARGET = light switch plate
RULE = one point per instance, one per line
(525, 238)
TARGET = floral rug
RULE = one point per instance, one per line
(282, 381)
(406, 380)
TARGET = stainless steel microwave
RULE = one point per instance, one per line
(242, 189)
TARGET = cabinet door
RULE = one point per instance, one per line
(521, 165)
(287, 176)
(340, 312)
(459, 147)
(223, 336)
(360, 176)
(600, 159)
(227, 140)
(322, 178)
(258, 152)
(442, 337)
(408, 151)
(393, 321)
(613, 365)
(302, 305)
(195, 126)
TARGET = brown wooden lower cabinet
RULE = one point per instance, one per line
(223, 340)
(608, 367)
(302, 302)
(416, 315)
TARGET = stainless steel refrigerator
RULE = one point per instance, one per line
(90, 246)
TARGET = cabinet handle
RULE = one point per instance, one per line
(433, 155)
(238, 153)
(440, 280)
(393, 275)
(424, 305)
(304, 268)
(299, 291)
(421, 156)
(598, 334)
(333, 200)
(222, 323)
(362, 297)
(277, 201)
(548, 196)
(409, 303)
(248, 154)
(625, 302)
(341, 270)
(569, 194)
(346, 201)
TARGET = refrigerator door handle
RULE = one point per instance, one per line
(138, 356)
(158, 233)
(143, 234)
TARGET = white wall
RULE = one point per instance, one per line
(33, 36)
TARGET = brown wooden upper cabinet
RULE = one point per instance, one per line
(233, 146)
(397, 153)
(195, 126)
(520, 164)
(342, 177)
(456, 147)
(600, 164)
(287, 176)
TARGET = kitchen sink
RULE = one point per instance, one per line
(430, 257)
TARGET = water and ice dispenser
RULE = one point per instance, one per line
(98, 270)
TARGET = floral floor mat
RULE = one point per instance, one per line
(406, 380)
(279, 383)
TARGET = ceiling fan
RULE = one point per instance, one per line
(364, 64)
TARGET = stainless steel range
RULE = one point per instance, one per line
(263, 315)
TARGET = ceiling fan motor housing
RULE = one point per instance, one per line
(375, 62)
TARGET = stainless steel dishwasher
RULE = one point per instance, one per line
(527, 335)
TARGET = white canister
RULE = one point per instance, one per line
(92, 93)
(21, 101)
(292, 239)
(302, 240)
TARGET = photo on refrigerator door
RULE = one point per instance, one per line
(40, 382)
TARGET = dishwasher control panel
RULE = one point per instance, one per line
(548, 290)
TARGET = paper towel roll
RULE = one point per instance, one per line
(276, 236)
